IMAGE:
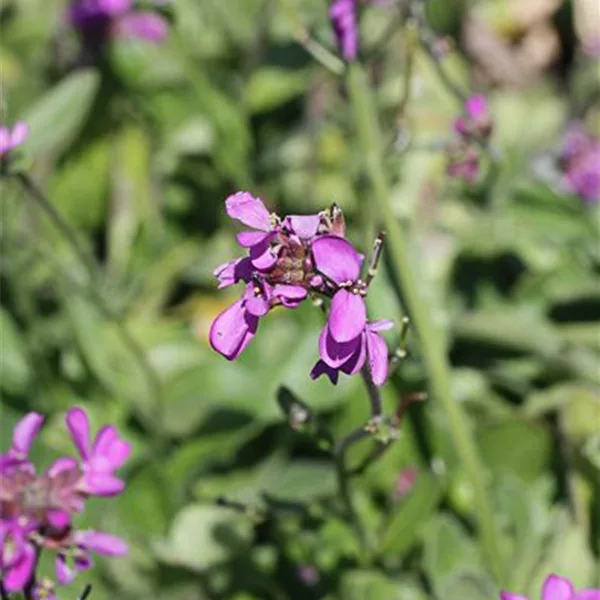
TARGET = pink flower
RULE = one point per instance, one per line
(477, 120)
(557, 588)
(100, 460)
(344, 20)
(12, 138)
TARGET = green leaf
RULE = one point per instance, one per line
(204, 536)
(15, 368)
(57, 117)
(367, 585)
(271, 87)
(407, 522)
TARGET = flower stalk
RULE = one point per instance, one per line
(432, 343)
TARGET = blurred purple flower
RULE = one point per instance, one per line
(557, 588)
(477, 121)
(97, 21)
(344, 20)
(36, 511)
(12, 138)
(463, 162)
(100, 460)
(580, 163)
(405, 482)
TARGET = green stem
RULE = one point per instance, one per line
(432, 343)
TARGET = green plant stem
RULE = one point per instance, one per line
(432, 344)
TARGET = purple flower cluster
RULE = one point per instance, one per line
(288, 259)
(558, 588)
(100, 20)
(580, 163)
(11, 138)
(36, 511)
(475, 125)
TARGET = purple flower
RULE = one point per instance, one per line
(344, 20)
(337, 259)
(100, 460)
(99, 20)
(580, 162)
(463, 163)
(350, 357)
(17, 556)
(557, 588)
(477, 120)
(12, 138)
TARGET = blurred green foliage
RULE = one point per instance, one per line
(138, 154)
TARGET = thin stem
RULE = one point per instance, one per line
(301, 34)
(433, 346)
(86, 592)
(375, 257)
(374, 393)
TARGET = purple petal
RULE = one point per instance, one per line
(12, 545)
(4, 140)
(143, 26)
(19, 134)
(24, 434)
(336, 258)
(304, 226)
(356, 362)
(232, 330)
(263, 259)
(109, 446)
(233, 271)
(20, 573)
(476, 106)
(509, 596)
(64, 574)
(102, 484)
(335, 353)
(248, 239)
(102, 543)
(114, 7)
(256, 299)
(61, 465)
(347, 316)
(290, 295)
(381, 325)
(588, 595)
(250, 211)
(378, 357)
(557, 588)
(322, 369)
(79, 426)
(59, 519)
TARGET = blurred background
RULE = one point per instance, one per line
(137, 143)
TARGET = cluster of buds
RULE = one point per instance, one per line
(37, 510)
(580, 163)
(471, 129)
(288, 260)
(11, 138)
(98, 21)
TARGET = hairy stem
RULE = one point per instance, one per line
(432, 343)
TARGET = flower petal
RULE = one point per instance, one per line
(347, 316)
(143, 26)
(304, 226)
(25, 432)
(20, 573)
(250, 211)
(233, 271)
(381, 325)
(232, 330)
(356, 362)
(248, 239)
(64, 574)
(334, 353)
(102, 484)
(557, 588)
(19, 134)
(588, 595)
(509, 596)
(79, 426)
(378, 357)
(263, 259)
(336, 258)
(102, 543)
(61, 465)
(322, 369)
(290, 295)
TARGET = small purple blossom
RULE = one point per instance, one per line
(12, 138)
(477, 121)
(557, 588)
(580, 163)
(344, 20)
(97, 21)
(36, 511)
